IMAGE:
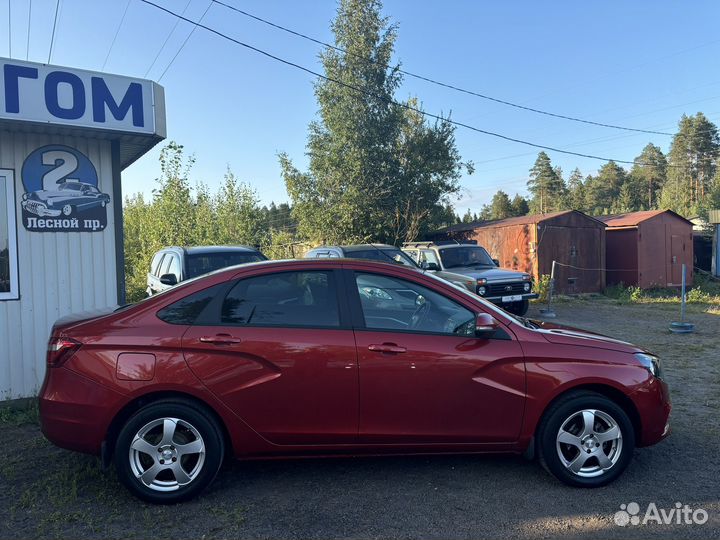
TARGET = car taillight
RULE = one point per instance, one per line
(60, 349)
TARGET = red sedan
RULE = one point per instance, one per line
(327, 357)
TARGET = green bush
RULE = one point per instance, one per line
(542, 288)
(698, 296)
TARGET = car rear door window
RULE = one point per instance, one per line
(187, 310)
(283, 299)
(393, 304)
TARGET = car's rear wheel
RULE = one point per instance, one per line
(586, 439)
(169, 451)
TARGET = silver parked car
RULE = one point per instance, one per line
(509, 289)
(386, 253)
(172, 265)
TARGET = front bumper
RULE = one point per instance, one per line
(511, 298)
(652, 401)
(39, 209)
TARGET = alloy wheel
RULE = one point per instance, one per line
(166, 454)
(589, 443)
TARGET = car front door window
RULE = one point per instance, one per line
(390, 303)
(429, 256)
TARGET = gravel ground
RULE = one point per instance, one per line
(47, 492)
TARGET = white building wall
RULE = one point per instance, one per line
(59, 272)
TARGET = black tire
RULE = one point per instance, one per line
(166, 487)
(567, 413)
(519, 308)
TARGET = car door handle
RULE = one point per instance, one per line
(387, 348)
(220, 339)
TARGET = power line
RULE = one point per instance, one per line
(188, 36)
(162, 48)
(117, 31)
(52, 37)
(436, 82)
(382, 98)
(9, 29)
(27, 47)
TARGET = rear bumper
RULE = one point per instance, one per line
(653, 404)
(75, 412)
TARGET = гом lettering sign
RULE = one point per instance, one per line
(53, 95)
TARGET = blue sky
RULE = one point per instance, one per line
(640, 64)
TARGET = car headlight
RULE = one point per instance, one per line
(481, 291)
(651, 363)
(526, 287)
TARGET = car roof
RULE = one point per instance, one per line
(455, 246)
(321, 263)
(205, 250)
(356, 247)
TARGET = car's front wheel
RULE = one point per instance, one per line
(586, 439)
(169, 451)
(67, 210)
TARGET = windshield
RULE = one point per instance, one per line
(456, 257)
(199, 264)
(384, 255)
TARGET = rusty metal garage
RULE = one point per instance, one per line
(648, 249)
(531, 243)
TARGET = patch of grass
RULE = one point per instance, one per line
(15, 415)
(705, 292)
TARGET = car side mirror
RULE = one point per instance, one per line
(485, 325)
(168, 279)
(497, 263)
(433, 267)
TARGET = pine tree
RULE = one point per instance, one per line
(519, 206)
(650, 172)
(500, 206)
(603, 190)
(377, 170)
(576, 191)
(545, 185)
(692, 164)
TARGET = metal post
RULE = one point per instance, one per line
(548, 311)
(682, 327)
(682, 299)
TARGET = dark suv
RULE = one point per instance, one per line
(509, 289)
(172, 265)
(369, 252)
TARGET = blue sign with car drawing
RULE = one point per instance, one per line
(61, 192)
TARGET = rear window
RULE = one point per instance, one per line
(199, 264)
(187, 310)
